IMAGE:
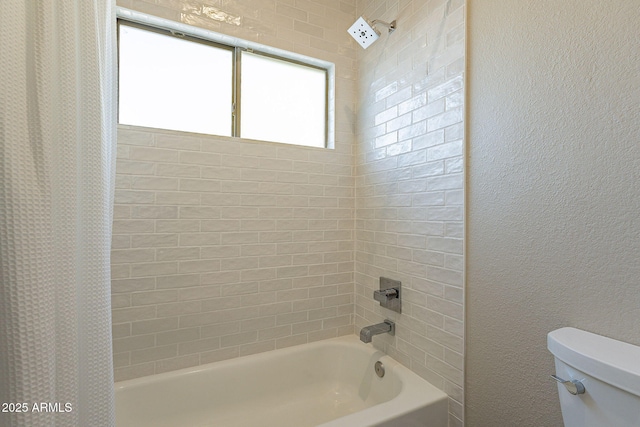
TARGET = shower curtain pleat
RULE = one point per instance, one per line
(57, 157)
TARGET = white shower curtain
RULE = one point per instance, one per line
(57, 142)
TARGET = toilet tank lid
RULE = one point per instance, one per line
(613, 362)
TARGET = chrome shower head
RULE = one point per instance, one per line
(365, 33)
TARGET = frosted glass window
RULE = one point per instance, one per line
(282, 101)
(172, 83)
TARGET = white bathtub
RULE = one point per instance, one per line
(329, 383)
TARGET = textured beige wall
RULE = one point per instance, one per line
(225, 247)
(409, 186)
(553, 199)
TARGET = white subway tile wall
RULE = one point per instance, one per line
(226, 247)
(409, 186)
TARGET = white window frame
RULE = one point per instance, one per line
(174, 27)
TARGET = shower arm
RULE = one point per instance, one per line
(391, 25)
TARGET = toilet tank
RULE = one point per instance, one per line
(610, 373)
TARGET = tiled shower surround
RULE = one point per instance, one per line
(409, 186)
(226, 247)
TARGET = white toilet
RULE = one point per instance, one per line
(603, 373)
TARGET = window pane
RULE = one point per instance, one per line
(170, 83)
(282, 101)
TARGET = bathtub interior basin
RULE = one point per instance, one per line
(330, 383)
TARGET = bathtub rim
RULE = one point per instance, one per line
(415, 392)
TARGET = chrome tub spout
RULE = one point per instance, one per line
(367, 333)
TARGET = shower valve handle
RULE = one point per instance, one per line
(385, 295)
